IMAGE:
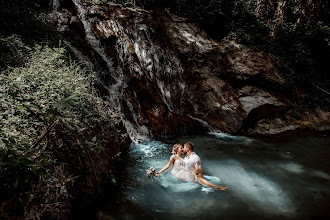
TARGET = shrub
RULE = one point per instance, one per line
(45, 106)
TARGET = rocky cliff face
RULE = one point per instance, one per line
(165, 76)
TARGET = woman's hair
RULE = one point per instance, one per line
(175, 148)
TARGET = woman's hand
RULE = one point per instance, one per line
(166, 167)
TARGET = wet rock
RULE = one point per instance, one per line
(214, 101)
(243, 63)
(317, 120)
(259, 104)
(166, 76)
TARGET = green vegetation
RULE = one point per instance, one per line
(50, 115)
(12, 51)
(27, 19)
(56, 134)
(23, 23)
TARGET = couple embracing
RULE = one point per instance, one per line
(188, 168)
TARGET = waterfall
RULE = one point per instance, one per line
(149, 55)
(85, 60)
(204, 123)
(115, 89)
(144, 80)
(158, 65)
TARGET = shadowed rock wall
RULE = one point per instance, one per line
(166, 76)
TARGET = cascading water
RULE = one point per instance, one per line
(136, 53)
(142, 77)
(115, 89)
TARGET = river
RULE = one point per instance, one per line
(285, 178)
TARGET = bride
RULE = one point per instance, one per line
(180, 171)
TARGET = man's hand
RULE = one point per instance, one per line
(198, 165)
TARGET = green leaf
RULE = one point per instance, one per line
(5, 141)
(53, 112)
(71, 100)
(34, 168)
(21, 107)
(12, 140)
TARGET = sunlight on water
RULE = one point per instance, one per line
(321, 174)
(244, 183)
(257, 189)
(261, 180)
(300, 169)
(292, 167)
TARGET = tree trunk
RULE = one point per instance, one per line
(273, 13)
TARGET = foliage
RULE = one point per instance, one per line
(26, 18)
(12, 51)
(50, 93)
(304, 50)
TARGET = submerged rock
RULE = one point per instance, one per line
(166, 76)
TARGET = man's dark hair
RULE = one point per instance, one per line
(189, 145)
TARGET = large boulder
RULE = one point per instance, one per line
(245, 64)
(166, 76)
(259, 104)
(317, 120)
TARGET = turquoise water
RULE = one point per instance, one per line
(267, 180)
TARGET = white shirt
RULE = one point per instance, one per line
(192, 162)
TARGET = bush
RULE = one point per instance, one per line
(12, 51)
(47, 106)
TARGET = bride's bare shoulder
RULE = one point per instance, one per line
(172, 157)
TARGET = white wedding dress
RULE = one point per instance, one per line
(180, 171)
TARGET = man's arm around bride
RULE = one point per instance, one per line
(189, 168)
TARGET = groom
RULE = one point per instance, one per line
(194, 164)
(191, 159)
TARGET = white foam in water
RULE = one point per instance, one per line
(149, 148)
(136, 133)
(172, 183)
(228, 137)
(213, 179)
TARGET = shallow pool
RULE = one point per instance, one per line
(287, 179)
